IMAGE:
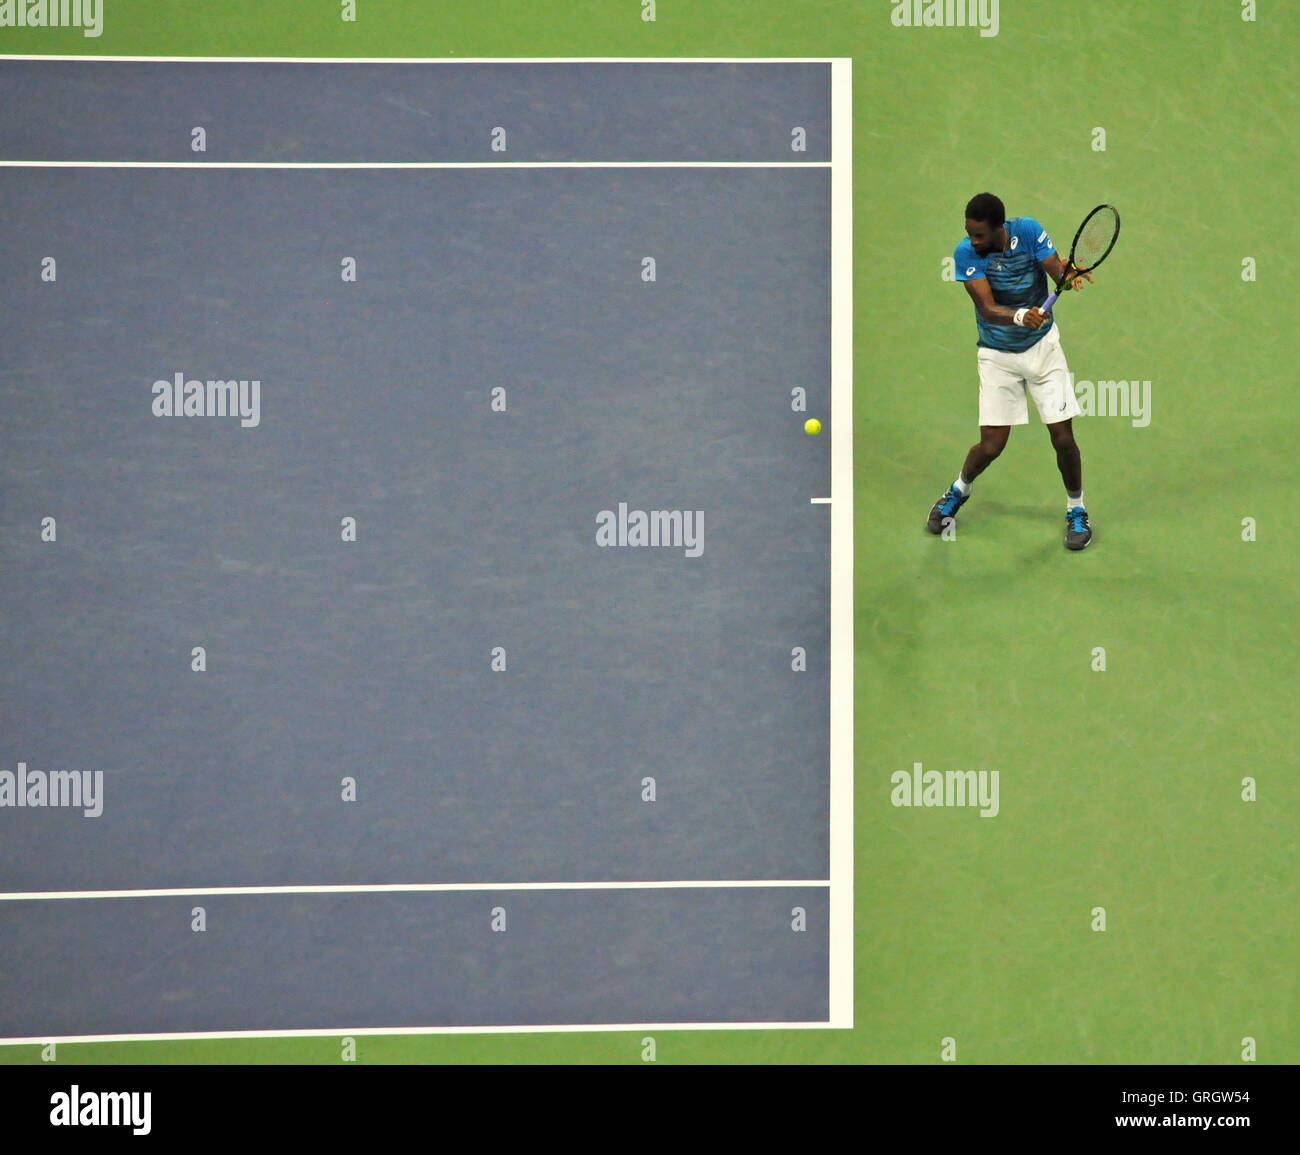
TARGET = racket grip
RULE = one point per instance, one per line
(1047, 305)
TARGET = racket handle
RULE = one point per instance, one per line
(1046, 306)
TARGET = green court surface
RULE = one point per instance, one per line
(1119, 788)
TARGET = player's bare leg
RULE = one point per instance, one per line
(993, 440)
(1067, 456)
(1078, 533)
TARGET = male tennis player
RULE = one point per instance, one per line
(1004, 265)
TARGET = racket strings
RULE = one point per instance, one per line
(1095, 239)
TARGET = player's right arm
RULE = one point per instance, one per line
(996, 314)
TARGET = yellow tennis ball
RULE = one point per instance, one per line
(812, 427)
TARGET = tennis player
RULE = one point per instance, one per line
(1005, 265)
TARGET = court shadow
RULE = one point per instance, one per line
(1020, 509)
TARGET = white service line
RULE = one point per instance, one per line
(412, 888)
(339, 1032)
(414, 164)
(435, 59)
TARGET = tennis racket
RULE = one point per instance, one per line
(1092, 245)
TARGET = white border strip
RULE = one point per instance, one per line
(412, 888)
(841, 769)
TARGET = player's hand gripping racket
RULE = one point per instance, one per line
(1092, 245)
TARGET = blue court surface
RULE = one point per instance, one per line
(415, 579)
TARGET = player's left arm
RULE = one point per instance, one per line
(1057, 269)
(1047, 256)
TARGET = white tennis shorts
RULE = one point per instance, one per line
(1041, 369)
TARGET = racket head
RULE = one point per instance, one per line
(1095, 238)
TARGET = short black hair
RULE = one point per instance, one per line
(986, 207)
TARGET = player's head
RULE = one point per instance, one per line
(985, 216)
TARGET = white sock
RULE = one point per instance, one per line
(960, 486)
(1072, 502)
